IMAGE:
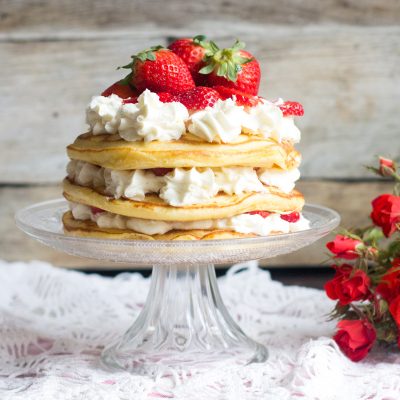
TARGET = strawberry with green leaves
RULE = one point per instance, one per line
(193, 52)
(159, 70)
(232, 67)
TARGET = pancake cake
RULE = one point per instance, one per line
(183, 148)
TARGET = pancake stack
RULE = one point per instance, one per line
(183, 164)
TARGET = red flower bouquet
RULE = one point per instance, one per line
(366, 284)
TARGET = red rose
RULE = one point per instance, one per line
(347, 286)
(389, 285)
(344, 247)
(386, 166)
(386, 213)
(394, 309)
(355, 338)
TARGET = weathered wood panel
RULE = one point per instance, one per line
(45, 15)
(347, 78)
(352, 200)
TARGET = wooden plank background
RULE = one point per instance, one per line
(341, 59)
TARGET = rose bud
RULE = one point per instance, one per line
(347, 286)
(386, 166)
(386, 213)
(344, 247)
(355, 338)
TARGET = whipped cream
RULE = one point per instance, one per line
(132, 184)
(238, 180)
(243, 223)
(283, 180)
(181, 187)
(103, 114)
(185, 187)
(150, 119)
(266, 118)
(220, 123)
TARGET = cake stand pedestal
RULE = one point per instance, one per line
(184, 325)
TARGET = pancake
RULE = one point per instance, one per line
(90, 230)
(110, 151)
(153, 207)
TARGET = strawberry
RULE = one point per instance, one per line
(159, 70)
(241, 98)
(192, 51)
(96, 210)
(161, 171)
(121, 89)
(263, 214)
(166, 97)
(292, 217)
(199, 98)
(291, 108)
(232, 67)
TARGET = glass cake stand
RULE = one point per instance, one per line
(184, 324)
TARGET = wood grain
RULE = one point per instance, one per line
(351, 199)
(71, 15)
(347, 78)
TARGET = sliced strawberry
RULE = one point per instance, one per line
(292, 217)
(131, 100)
(166, 97)
(161, 171)
(242, 99)
(192, 51)
(96, 210)
(232, 67)
(159, 70)
(121, 89)
(263, 214)
(291, 108)
(199, 98)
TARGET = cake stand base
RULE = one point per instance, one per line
(183, 326)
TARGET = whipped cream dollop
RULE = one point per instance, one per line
(181, 187)
(266, 118)
(150, 119)
(220, 123)
(284, 180)
(238, 180)
(103, 114)
(243, 223)
(133, 184)
(185, 187)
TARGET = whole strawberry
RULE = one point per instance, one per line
(241, 98)
(198, 98)
(121, 89)
(159, 70)
(233, 67)
(193, 52)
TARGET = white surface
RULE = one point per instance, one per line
(54, 324)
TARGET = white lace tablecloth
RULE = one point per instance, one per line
(54, 324)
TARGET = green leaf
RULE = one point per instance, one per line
(198, 39)
(238, 45)
(222, 69)
(213, 46)
(126, 80)
(373, 235)
(207, 69)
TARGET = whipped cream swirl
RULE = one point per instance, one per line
(220, 123)
(150, 119)
(103, 114)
